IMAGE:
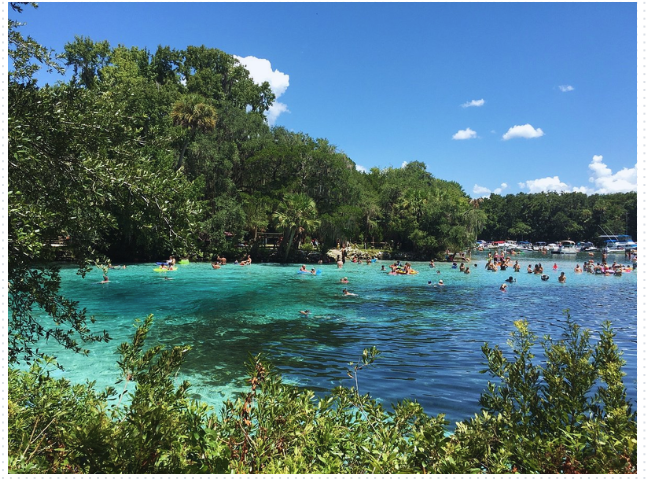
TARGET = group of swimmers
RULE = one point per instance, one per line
(218, 262)
(303, 269)
(614, 269)
(397, 268)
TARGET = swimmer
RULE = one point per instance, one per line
(305, 312)
(440, 283)
(348, 293)
(215, 265)
(504, 287)
(578, 269)
(510, 280)
(303, 267)
(383, 268)
(467, 270)
(562, 278)
(555, 267)
(105, 280)
(343, 280)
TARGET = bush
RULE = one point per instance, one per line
(569, 416)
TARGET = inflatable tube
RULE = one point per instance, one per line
(160, 270)
(183, 261)
(308, 272)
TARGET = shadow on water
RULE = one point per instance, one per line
(430, 336)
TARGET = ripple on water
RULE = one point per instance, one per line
(430, 336)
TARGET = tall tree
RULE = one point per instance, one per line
(295, 214)
(195, 114)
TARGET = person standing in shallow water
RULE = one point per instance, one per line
(562, 278)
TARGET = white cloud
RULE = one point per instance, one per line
(480, 102)
(261, 71)
(464, 134)
(606, 181)
(275, 110)
(483, 191)
(545, 184)
(523, 131)
(361, 169)
(566, 88)
(404, 163)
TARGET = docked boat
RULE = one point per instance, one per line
(566, 247)
(586, 246)
(540, 246)
(618, 243)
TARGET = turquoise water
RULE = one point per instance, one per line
(430, 337)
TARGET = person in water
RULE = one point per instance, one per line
(348, 293)
(344, 280)
(305, 312)
(562, 278)
(578, 269)
(504, 287)
(303, 268)
(105, 280)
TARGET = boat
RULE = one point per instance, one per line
(565, 247)
(540, 246)
(524, 246)
(618, 243)
(586, 246)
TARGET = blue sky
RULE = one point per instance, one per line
(500, 97)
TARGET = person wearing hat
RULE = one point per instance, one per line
(441, 282)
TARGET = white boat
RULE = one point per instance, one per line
(540, 246)
(566, 247)
(618, 243)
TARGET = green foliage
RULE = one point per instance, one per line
(558, 216)
(85, 177)
(550, 419)
(569, 416)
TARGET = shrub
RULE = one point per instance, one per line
(570, 415)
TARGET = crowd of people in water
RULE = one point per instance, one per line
(494, 262)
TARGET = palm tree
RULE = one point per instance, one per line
(296, 213)
(195, 114)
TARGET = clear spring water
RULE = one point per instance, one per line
(429, 337)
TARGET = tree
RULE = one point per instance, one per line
(192, 112)
(77, 167)
(295, 214)
(87, 58)
(26, 55)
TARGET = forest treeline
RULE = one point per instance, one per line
(188, 165)
(142, 154)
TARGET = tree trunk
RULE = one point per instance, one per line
(179, 161)
(287, 249)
